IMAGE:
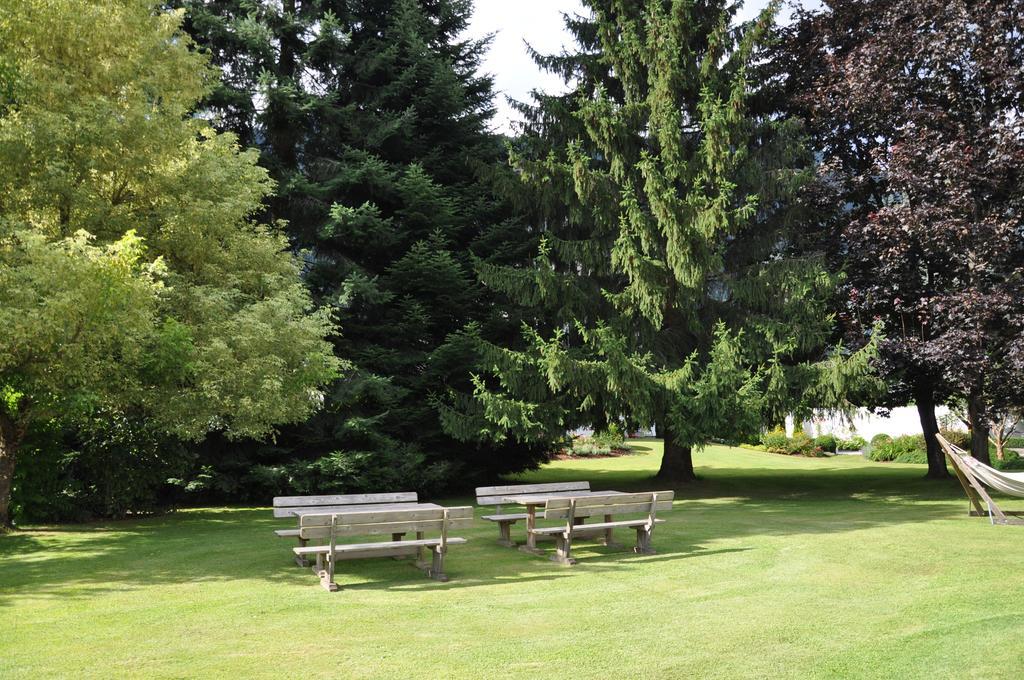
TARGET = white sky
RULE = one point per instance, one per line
(538, 22)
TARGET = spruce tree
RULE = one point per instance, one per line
(678, 281)
(374, 121)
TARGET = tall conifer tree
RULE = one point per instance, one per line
(685, 285)
(372, 117)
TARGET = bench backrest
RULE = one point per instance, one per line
(372, 522)
(493, 495)
(285, 506)
(612, 504)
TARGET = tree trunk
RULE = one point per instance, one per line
(677, 461)
(976, 413)
(930, 426)
(10, 438)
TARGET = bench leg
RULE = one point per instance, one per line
(421, 562)
(436, 571)
(326, 574)
(505, 534)
(300, 559)
(643, 542)
(398, 537)
(609, 539)
(563, 549)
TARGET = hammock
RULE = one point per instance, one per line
(1011, 483)
(975, 475)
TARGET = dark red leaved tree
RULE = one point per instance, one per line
(917, 110)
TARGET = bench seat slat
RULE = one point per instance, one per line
(286, 533)
(506, 518)
(598, 510)
(355, 518)
(383, 545)
(597, 526)
(322, 531)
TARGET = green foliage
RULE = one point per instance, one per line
(826, 442)
(376, 131)
(800, 444)
(880, 439)
(111, 466)
(590, 447)
(611, 436)
(404, 467)
(132, 276)
(854, 443)
(775, 440)
(678, 280)
(908, 448)
(1011, 461)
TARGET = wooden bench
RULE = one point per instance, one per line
(573, 509)
(497, 496)
(370, 522)
(291, 506)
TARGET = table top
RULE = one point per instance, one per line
(529, 499)
(369, 507)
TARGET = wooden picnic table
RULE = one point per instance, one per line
(534, 500)
(375, 507)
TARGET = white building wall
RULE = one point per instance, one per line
(902, 420)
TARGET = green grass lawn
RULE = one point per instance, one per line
(769, 567)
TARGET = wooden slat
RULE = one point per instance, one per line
(286, 533)
(333, 509)
(621, 504)
(345, 499)
(548, 531)
(386, 548)
(491, 495)
(505, 518)
(597, 510)
(383, 516)
(584, 529)
(619, 498)
(384, 528)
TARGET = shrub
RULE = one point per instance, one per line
(585, 448)
(854, 443)
(610, 438)
(826, 442)
(1012, 461)
(908, 448)
(775, 441)
(800, 444)
(915, 456)
(111, 466)
(879, 439)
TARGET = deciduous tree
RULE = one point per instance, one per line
(916, 108)
(131, 275)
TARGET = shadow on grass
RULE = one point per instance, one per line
(237, 544)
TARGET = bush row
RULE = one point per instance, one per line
(799, 444)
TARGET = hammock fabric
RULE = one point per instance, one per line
(974, 476)
(1011, 483)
